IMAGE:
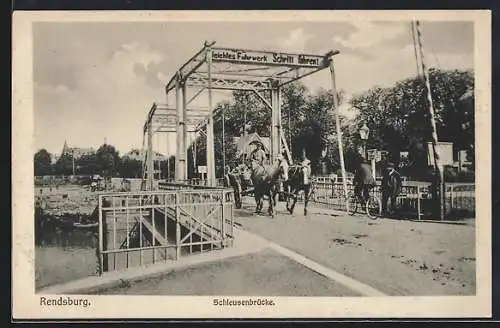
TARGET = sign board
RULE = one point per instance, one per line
(463, 163)
(372, 154)
(202, 169)
(445, 150)
(266, 57)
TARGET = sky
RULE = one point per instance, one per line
(96, 81)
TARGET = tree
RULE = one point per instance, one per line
(107, 160)
(64, 165)
(130, 168)
(399, 118)
(42, 163)
(86, 164)
(293, 109)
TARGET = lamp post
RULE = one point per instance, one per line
(73, 160)
(363, 134)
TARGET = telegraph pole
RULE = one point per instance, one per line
(339, 131)
(73, 160)
(437, 164)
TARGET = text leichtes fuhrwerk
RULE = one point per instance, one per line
(273, 58)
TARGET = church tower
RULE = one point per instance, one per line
(65, 148)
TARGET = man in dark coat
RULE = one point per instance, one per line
(363, 180)
(391, 187)
(259, 155)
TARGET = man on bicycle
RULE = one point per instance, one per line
(363, 181)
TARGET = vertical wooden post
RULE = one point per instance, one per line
(141, 218)
(184, 132)
(278, 117)
(177, 227)
(114, 231)
(223, 219)
(437, 165)
(335, 109)
(451, 197)
(150, 157)
(195, 162)
(165, 223)
(101, 237)
(419, 208)
(224, 141)
(274, 124)
(211, 180)
(127, 213)
(153, 223)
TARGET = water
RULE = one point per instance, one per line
(63, 256)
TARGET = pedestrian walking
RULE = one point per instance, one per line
(391, 187)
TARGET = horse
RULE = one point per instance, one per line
(265, 179)
(298, 180)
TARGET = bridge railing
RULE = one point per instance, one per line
(414, 201)
(140, 228)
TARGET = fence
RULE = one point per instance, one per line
(139, 228)
(414, 201)
(55, 180)
(190, 184)
(461, 199)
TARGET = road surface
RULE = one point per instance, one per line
(396, 257)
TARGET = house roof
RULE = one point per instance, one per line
(138, 154)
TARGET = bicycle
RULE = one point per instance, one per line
(373, 206)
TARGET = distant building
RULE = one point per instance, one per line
(54, 158)
(138, 154)
(76, 152)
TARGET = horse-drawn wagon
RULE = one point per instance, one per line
(239, 177)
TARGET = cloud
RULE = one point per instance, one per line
(99, 80)
(386, 65)
(110, 100)
(295, 41)
(368, 34)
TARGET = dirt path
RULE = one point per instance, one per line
(265, 273)
(396, 257)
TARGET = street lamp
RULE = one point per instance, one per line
(363, 133)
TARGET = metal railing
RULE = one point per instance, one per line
(190, 183)
(139, 228)
(414, 201)
(460, 199)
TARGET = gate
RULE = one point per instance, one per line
(140, 228)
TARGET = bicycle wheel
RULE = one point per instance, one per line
(373, 207)
(352, 204)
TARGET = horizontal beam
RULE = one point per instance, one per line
(267, 58)
(228, 83)
(172, 120)
(301, 76)
(171, 130)
(190, 66)
(188, 113)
